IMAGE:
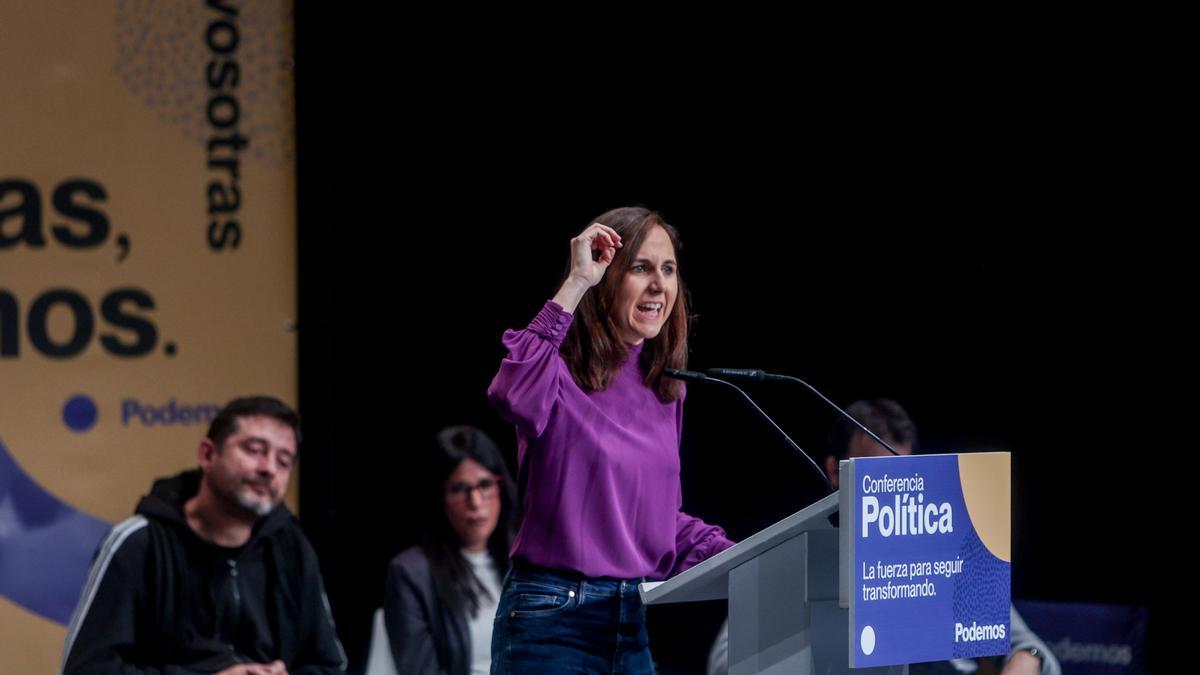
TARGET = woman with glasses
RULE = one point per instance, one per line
(441, 596)
(598, 427)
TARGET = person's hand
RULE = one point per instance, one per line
(1022, 663)
(273, 668)
(591, 253)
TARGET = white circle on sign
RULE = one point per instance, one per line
(867, 640)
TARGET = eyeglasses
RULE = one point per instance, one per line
(486, 487)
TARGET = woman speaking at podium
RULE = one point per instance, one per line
(598, 428)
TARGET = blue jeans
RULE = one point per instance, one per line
(554, 622)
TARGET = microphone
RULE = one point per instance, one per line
(685, 375)
(738, 373)
(692, 376)
(760, 376)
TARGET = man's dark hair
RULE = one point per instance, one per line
(226, 421)
(884, 416)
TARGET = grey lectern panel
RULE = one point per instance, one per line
(784, 615)
(782, 587)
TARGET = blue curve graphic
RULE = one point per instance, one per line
(46, 545)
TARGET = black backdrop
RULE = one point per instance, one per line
(980, 253)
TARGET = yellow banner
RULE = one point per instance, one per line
(147, 266)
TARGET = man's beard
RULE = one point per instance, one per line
(242, 493)
(259, 505)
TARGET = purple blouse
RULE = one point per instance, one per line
(602, 492)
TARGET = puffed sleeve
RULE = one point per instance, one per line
(532, 375)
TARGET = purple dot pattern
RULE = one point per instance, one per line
(984, 578)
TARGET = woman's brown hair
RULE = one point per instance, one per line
(593, 351)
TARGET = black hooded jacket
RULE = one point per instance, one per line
(159, 599)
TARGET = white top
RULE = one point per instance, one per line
(480, 625)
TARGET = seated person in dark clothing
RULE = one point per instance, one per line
(440, 597)
(212, 574)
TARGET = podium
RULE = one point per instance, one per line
(782, 588)
(920, 570)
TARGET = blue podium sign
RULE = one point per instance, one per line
(928, 542)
